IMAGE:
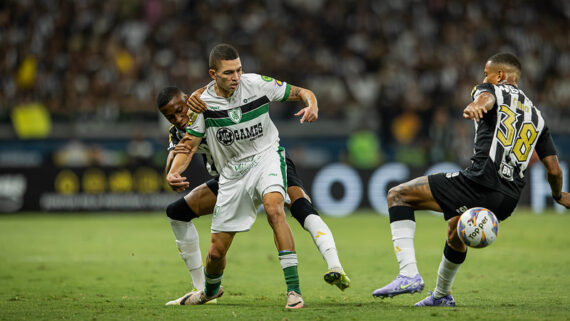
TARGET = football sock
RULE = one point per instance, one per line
(450, 263)
(289, 264)
(403, 229)
(323, 238)
(187, 241)
(213, 282)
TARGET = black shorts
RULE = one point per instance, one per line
(455, 194)
(292, 177)
(213, 185)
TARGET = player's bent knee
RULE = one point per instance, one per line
(302, 208)
(274, 209)
(179, 210)
(215, 255)
(393, 194)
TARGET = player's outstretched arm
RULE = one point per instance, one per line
(554, 177)
(482, 104)
(183, 153)
(311, 111)
(195, 103)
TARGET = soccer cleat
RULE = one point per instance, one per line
(340, 279)
(182, 300)
(294, 301)
(431, 301)
(400, 285)
(200, 297)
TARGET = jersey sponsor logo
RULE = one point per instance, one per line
(267, 78)
(235, 114)
(249, 99)
(506, 171)
(225, 136)
(250, 133)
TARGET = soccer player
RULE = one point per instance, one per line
(201, 200)
(244, 144)
(508, 129)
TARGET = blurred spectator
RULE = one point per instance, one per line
(364, 150)
(73, 154)
(31, 121)
(140, 150)
(441, 134)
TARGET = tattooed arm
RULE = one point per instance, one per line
(311, 111)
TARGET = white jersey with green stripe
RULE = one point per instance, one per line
(239, 127)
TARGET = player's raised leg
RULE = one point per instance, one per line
(303, 211)
(403, 200)
(273, 204)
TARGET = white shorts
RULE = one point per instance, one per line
(239, 198)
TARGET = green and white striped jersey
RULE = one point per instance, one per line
(239, 127)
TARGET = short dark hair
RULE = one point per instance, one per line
(166, 95)
(222, 51)
(507, 59)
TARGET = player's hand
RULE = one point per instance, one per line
(565, 200)
(473, 111)
(196, 104)
(176, 182)
(309, 114)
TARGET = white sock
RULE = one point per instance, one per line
(323, 238)
(445, 277)
(188, 244)
(403, 238)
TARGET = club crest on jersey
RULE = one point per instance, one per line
(235, 114)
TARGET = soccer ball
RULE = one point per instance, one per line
(478, 227)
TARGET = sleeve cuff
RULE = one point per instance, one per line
(193, 133)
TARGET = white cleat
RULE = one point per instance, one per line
(201, 298)
(294, 301)
(182, 300)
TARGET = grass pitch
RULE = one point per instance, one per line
(125, 267)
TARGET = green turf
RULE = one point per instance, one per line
(125, 267)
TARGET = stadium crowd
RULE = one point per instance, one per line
(402, 69)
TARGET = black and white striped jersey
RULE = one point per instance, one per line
(175, 135)
(505, 139)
